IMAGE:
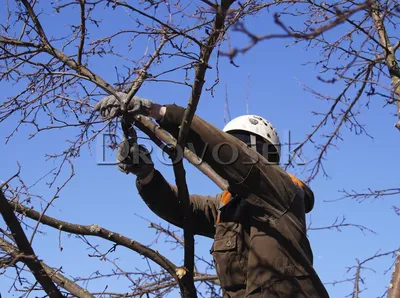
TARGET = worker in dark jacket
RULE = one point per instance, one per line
(260, 245)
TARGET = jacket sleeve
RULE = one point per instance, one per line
(245, 170)
(228, 156)
(161, 197)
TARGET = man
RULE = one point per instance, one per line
(260, 245)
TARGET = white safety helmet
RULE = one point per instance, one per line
(255, 125)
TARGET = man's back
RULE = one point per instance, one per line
(260, 246)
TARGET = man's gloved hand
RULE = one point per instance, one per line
(109, 106)
(135, 159)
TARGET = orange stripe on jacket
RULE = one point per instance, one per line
(225, 198)
(296, 180)
(226, 195)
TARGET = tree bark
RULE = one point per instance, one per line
(389, 54)
(95, 230)
(57, 277)
(394, 286)
(29, 257)
(179, 170)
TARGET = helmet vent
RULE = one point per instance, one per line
(253, 121)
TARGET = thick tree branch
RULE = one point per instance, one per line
(35, 20)
(26, 249)
(180, 175)
(95, 230)
(83, 31)
(164, 140)
(62, 57)
(56, 276)
(84, 72)
(390, 56)
(19, 43)
(394, 286)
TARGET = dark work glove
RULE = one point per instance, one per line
(135, 159)
(109, 106)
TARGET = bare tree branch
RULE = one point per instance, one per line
(377, 193)
(338, 224)
(95, 230)
(55, 275)
(83, 31)
(340, 17)
(389, 53)
(357, 278)
(394, 286)
(183, 192)
(26, 249)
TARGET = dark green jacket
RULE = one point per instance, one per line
(260, 245)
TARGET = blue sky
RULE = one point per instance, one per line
(103, 195)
